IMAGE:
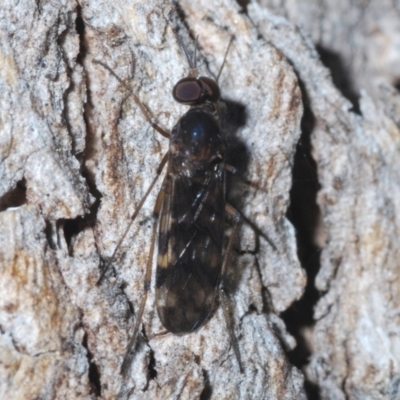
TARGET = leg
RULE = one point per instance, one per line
(237, 218)
(136, 212)
(227, 309)
(225, 301)
(147, 283)
(232, 170)
(137, 101)
(232, 211)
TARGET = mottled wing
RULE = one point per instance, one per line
(190, 249)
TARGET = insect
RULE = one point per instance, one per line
(191, 208)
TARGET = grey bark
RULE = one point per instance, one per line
(74, 137)
(355, 351)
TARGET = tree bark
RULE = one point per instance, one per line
(77, 156)
(355, 350)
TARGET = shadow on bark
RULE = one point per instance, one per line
(304, 214)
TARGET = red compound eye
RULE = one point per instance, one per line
(192, 91)
(211, 88)
(187, 91)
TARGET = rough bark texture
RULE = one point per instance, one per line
(359, 40)
(77, 155)
(355, 342)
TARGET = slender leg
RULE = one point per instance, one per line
(134, 215)
(159, 169)
(147, 284)
(223, 295)
(237, 218)
(145, 113)
(232, 211)
(227, 309)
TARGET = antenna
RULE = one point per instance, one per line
(225, 56)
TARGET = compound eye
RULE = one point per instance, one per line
(188, 91)
(211, 88)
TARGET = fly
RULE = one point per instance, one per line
(191, 208)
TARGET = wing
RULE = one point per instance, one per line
(190, 249)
